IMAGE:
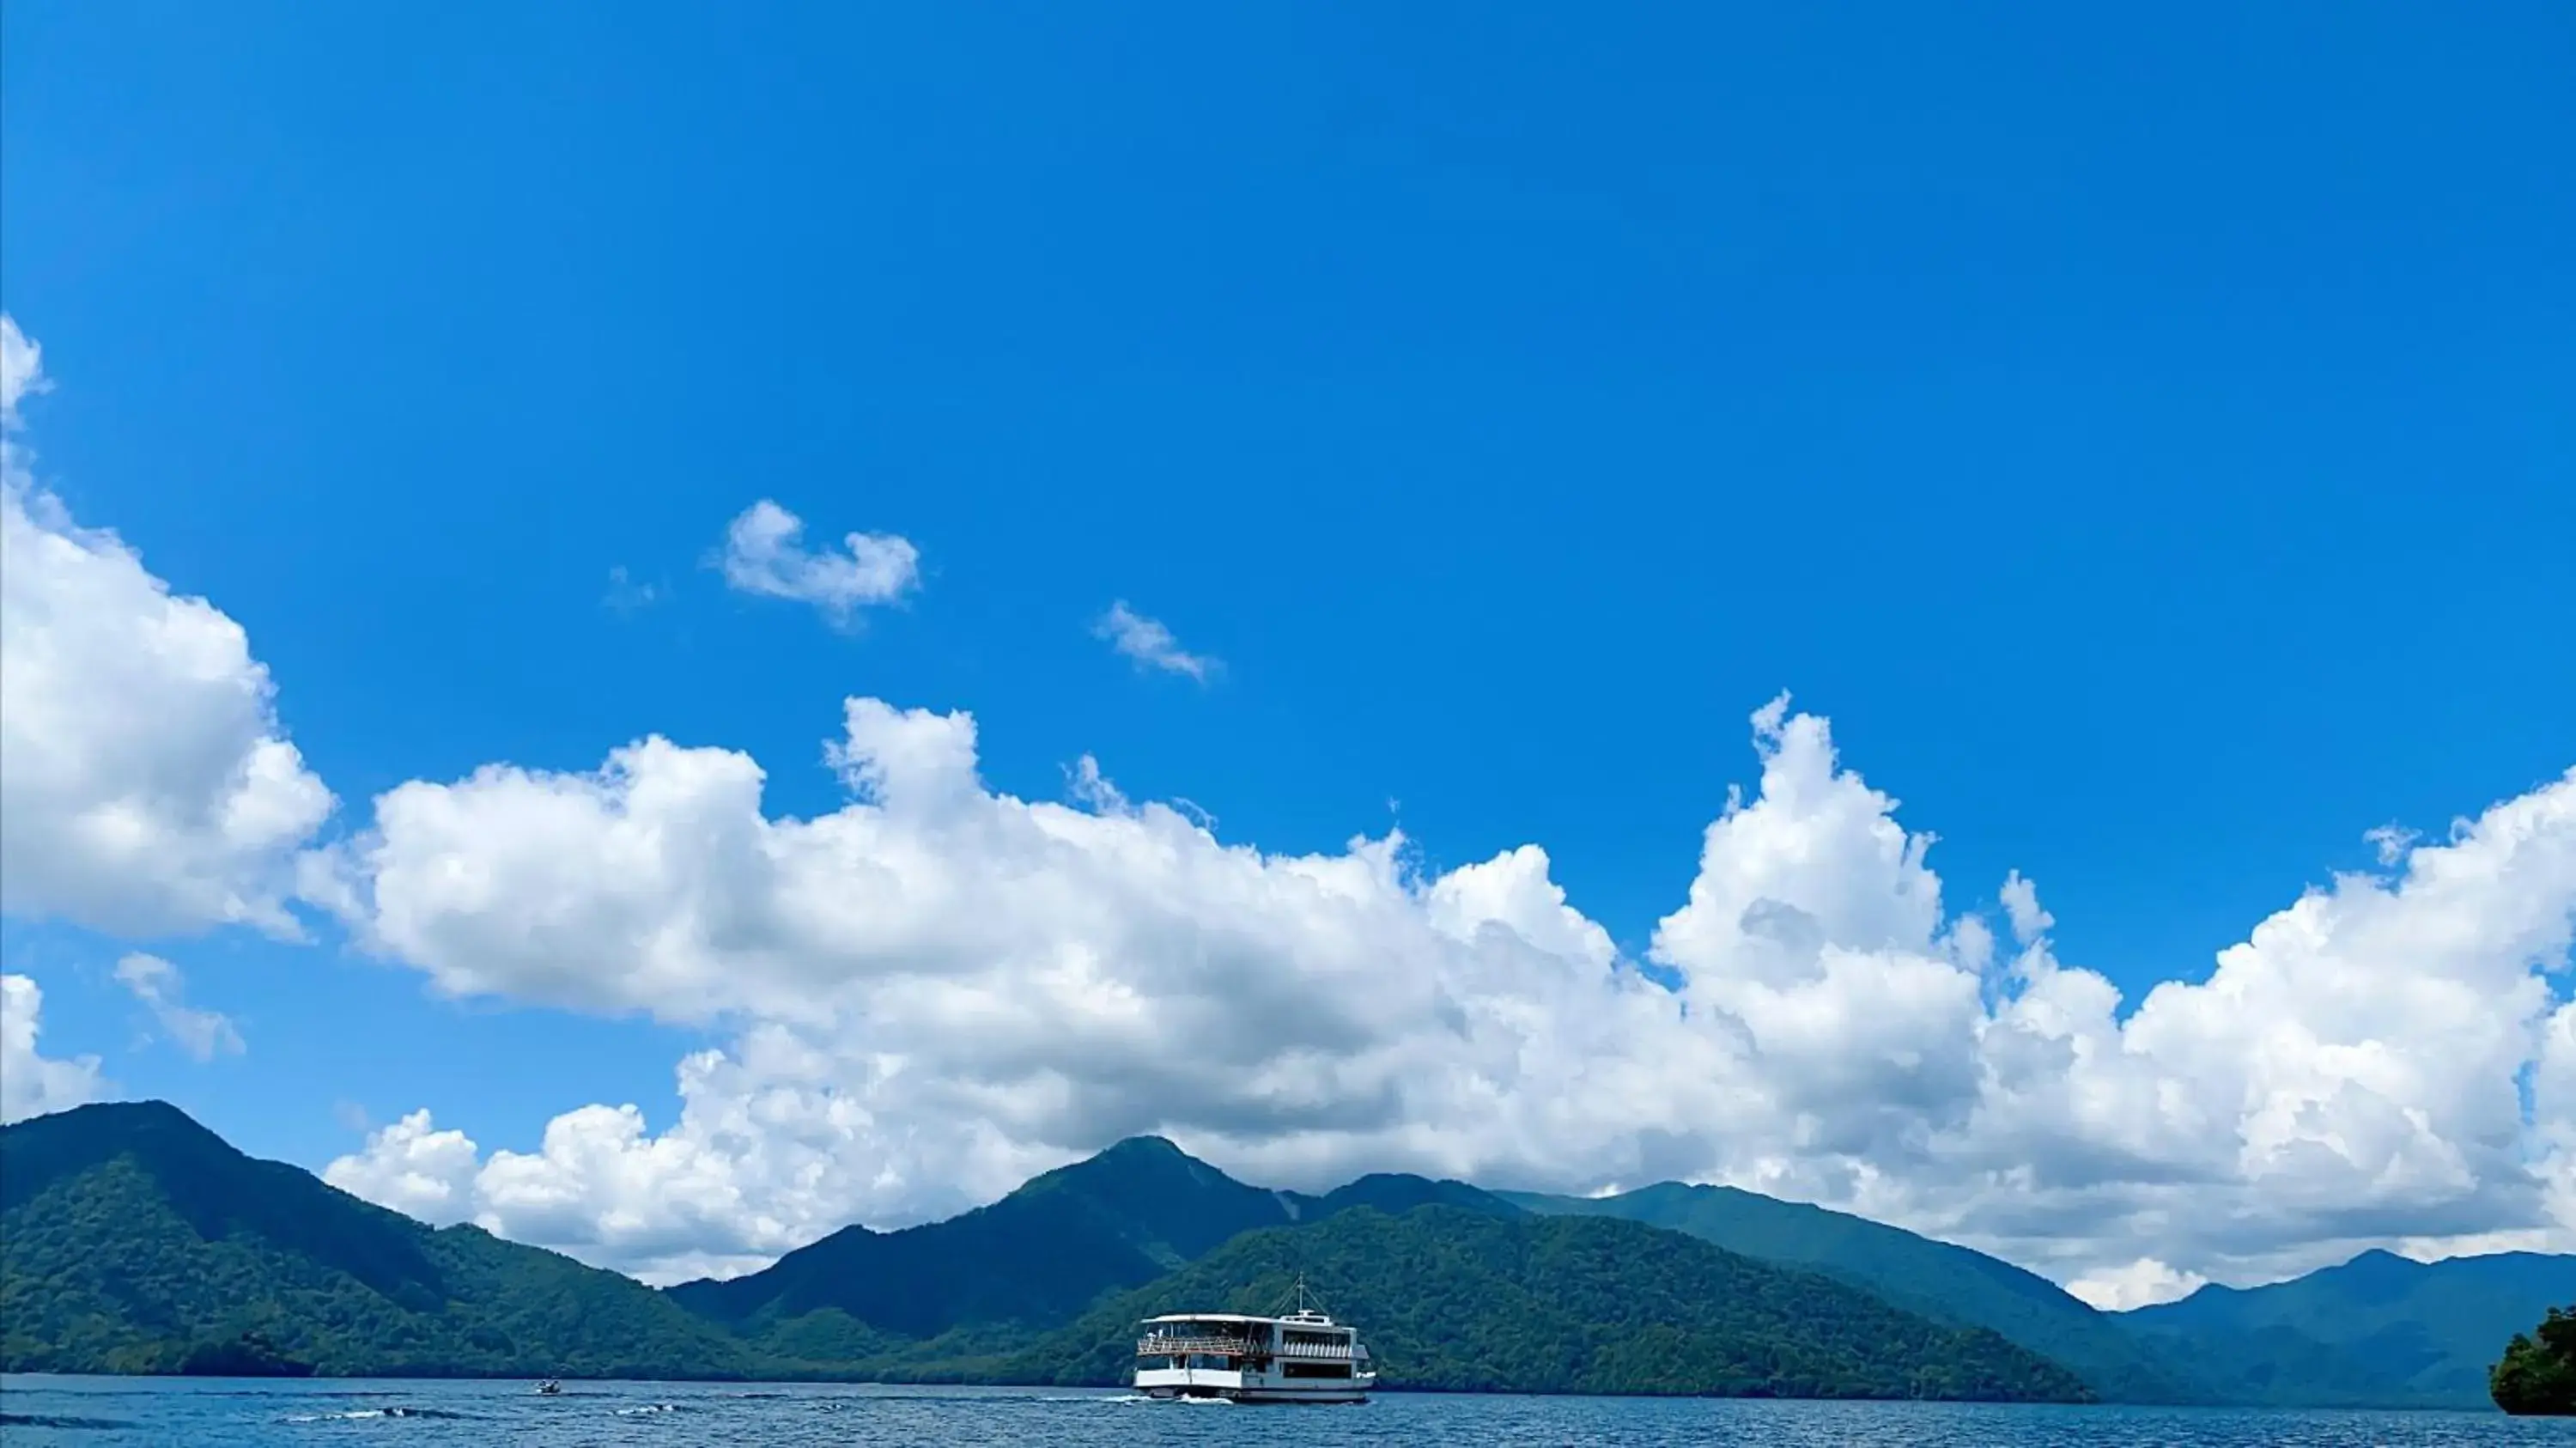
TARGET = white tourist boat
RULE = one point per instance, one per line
(1303, 1357)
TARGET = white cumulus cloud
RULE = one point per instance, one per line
(32, 1084)
(413, 1167)
(1149, 643)
(764, 553)
(157, 984)
(937, 989)
(145, 784)
(2142, 1283)
(767, 1155)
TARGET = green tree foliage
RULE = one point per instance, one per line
(2539, 1377)
(250, 1355)
(1468, 1300)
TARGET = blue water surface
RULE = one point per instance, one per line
(224, 1413)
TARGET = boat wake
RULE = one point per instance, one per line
(396, 1411)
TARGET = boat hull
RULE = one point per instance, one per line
(1266, 1395)
(1237, 1387)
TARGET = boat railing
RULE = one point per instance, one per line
(1230, 1346)
(1159, 1345)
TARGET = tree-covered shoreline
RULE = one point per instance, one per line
(2536, 1377)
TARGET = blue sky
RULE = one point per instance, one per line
(2145, 436)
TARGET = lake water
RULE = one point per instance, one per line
(110, 1412)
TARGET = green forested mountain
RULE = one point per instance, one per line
(1036, 1257)
(132, 1238)
(2379, 1329)
(1032, 1260)
(1936, 1279)
(967, 1299)
(1395, 1194)
(1463, 1299)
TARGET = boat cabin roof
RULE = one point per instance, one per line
(1310, 1319)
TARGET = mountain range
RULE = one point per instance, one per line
(133, 1240)
(2376, 1325)
(1943, 1282)
(1041, 1255)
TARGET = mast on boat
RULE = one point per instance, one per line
(1299, 1295)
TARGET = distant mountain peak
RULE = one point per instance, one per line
(1134, 1159)
(96, 1115)
(155, 1133)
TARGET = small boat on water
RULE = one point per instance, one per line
(1300, 1357)
(549, 1388)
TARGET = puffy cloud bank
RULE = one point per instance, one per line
(145, 784)
(937, 989)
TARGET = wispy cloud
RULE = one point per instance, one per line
(1150, 644)
(625, 595)
(156, 983)
(764, 553)
(22, 369)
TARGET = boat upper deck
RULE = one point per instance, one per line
(1229, 1334)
